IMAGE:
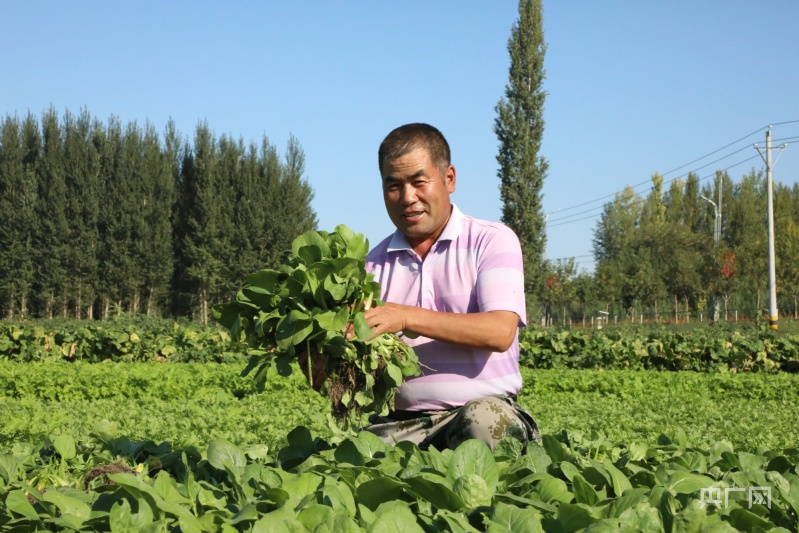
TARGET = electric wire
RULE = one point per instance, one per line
(669, 181)
(564, 220)
(647, 182)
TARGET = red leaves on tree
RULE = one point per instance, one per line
(728, 265)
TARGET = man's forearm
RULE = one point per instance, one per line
(493, 330)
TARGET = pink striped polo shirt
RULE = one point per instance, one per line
(474, 266)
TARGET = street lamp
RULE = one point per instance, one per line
(716, 238)
(716, 220)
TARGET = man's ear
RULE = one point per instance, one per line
(450, 179)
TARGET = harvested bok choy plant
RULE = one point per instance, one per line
(302, 308)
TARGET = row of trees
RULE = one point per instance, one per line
(97, 218)
(656, 255)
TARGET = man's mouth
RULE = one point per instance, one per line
(412, 215)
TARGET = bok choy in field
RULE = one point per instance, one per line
(302, 308)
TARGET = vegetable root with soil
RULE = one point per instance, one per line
(303, 307)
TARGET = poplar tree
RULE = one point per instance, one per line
(82, 176)
(108, 142)
(158, 196)
(203, 244)
(748, 236)
(32, 147)
(52, 229)
(519, 127)
(17, 199)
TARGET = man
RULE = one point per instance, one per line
(454, 290)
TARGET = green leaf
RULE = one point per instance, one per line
(435, 492)
(348, 452)
(573, 517)
(393, 375)
(569, 470)
(554, 489)
(68, 505)
(583, 491)
(370, 445)
(310, 254)
(222, 453)
(620, 482)
(641, 520)
(267, 280)
(690, 519)
(454, 522)
(379, 490)
(518, 501)
(122, 520)
(629, 500)
(338, 523)
(397, 517)
(298, 486)
(310, 245)
(333, 320)
(315, 514)
(9, 466)
(682, 482)
(362, 329)
(300, 447)
(293, 329)
(473, 490)
(511, 519)
(339, 496)
(745, 520)
(65, 446)
(17, 501)
(279, 521)
(474, 457)
(554, 448)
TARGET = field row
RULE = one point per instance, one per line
(706, 349)
(193, 403)
(154, 447)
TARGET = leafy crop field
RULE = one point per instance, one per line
(717, 348)
(157, 447)
(192, 403)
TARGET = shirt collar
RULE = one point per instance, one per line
(451, 232)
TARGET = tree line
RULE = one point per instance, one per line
(656, 255)
(99, 218)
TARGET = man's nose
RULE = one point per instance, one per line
(408, 194)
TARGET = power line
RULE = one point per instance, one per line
(563, 220)
(776, 218)
(716, 151)
(678, 168)
(668, 182)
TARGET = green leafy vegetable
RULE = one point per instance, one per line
(302, 308)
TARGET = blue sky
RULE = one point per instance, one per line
(633, 87)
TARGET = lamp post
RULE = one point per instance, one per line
(716, 238)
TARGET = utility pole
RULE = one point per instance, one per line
(772, 284)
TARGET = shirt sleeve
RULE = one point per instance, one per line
(500, 274)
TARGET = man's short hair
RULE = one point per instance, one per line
(409, 137)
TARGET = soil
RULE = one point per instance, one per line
(105, 470)
(347, 378)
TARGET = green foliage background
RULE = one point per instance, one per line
(99, 218)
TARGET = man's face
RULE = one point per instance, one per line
(417, 196)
